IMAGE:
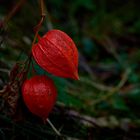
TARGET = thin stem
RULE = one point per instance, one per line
(42, 8)
(38, 26)
(96, 85)
(124, 78)
(53, 127)
(115, 89)
(45, 12)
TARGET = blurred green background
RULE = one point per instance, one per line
(104, 104)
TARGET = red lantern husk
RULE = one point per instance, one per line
(39, 94)
(56, 53)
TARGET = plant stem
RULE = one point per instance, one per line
(115, 89)
(42, 8)
(53, 127)
(38, 26)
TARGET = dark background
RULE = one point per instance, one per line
(104, 104)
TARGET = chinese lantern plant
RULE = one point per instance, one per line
(56, 53)
(39, 94)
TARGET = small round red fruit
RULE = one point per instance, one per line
(39, 94)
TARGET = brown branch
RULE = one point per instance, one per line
(42, 7)
(38, 26)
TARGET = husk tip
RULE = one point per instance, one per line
(76, 76)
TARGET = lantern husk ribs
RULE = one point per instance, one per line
(56, 53)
